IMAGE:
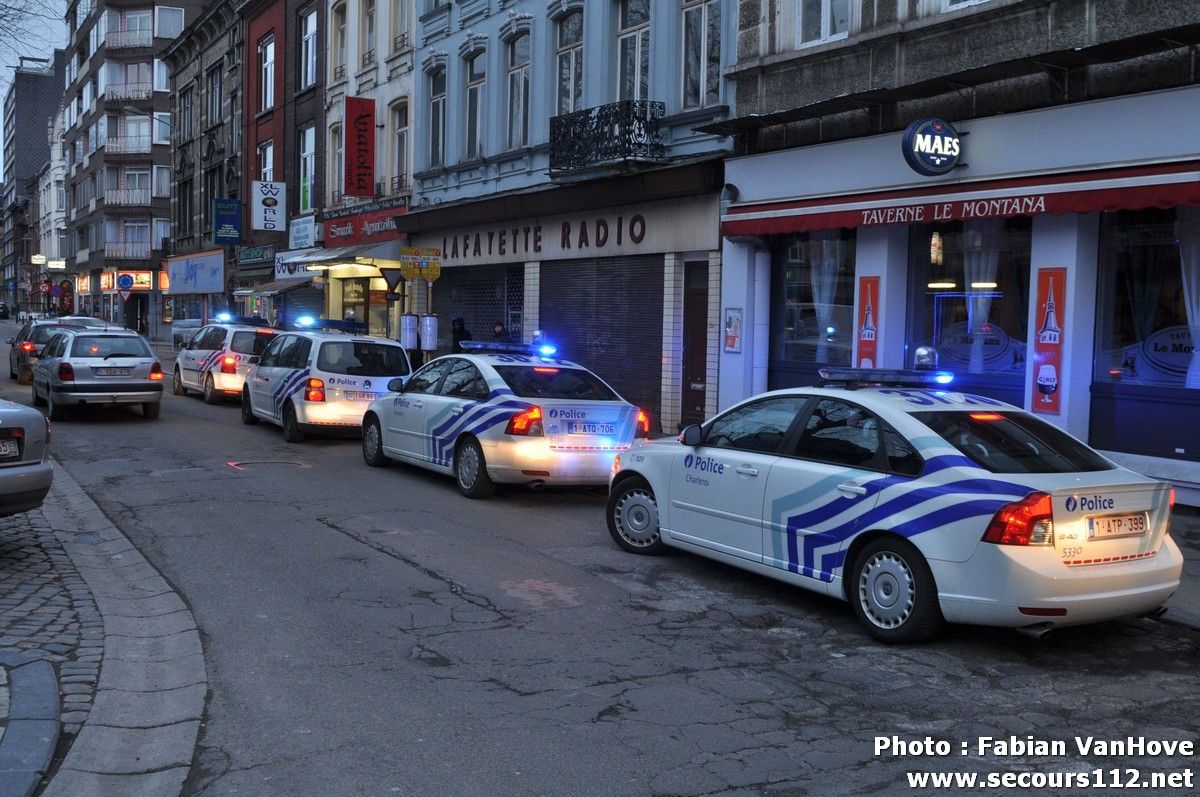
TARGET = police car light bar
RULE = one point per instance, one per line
(353, 327)
(885, 377)
(493, 347)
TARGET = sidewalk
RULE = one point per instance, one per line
(1184, 607)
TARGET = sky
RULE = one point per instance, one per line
(36, 37)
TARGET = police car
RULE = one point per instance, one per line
(504, 413)
(214, 362)
(320, 381)
(917, 504)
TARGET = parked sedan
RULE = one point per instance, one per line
(104, 367)
(916, 504)
(27, 346)
(25, 472)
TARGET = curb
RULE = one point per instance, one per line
(28, 743)
(141, 733)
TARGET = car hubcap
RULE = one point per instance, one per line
(637, 518)
(178, 382)
(468, 467)
(371, 441)
(886, 590)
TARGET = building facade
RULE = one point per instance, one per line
(1024, 200)
(51, 215)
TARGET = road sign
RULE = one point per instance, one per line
(44, 287)
(55, 290)
(417, 263)
(125, 282)
(125, 294)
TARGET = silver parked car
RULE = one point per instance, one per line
(98, 366)
(27, 346)
(25, 472)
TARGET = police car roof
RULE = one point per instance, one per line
(903, 399)
(527, 360)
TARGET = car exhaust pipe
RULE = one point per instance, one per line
(1154, 614)
(537, 486)
(1038, 632)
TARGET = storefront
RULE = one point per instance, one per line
(195, 288)
(122, 296)
(1058, 277)
(357, 291)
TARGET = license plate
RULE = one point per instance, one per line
(9, 449)
(1103, 528)
(583, 427)
(114, 371)
(358, 395)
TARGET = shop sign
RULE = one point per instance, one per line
(302, 234)
(868, 324)
(931, 147)
(360, 147)
(256, 255)
(291, 270)
(268, 203)
(373, 222)
(733, 329)
(107, 280)
(83, 283)
(56, 265)
(227, 222)
(135, 280)
(203, 272)
(1048, 340)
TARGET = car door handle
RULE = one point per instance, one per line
(747, 470)
(456, 411)
(418, 404)
(853, 489)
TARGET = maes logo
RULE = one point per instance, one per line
(1089, 503)
(706, 464)
(931, 146)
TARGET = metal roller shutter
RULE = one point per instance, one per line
(481, 296)
(608, 315)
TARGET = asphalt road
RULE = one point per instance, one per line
(370, 631)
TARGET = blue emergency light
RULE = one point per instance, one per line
(883, 377)
(541, 349)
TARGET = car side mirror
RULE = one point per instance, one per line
(12, 341)
(692, 436)
(253, 359)
(396, 385)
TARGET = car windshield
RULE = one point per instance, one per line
(361, 358)
(550, 382)
(1011, 442)
(43, 333)
(109, 346)
(85, 321)
(251, 342)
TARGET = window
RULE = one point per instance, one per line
(162, 181)
(186, 124)
(701, 54)
(1010, 442)
(212, 191)
(136, 179)
(813, 300)
(308, 146)
(840, 433)
(570, 62)
(634, 50)
(367, 40)
(214, 97)
(338, 26)
(335, 147)
(400, 25)
(266, 73)
(162, 231)
(399, 146)
(168, 22)
(361, 359)
(426, 379)
(162, 128)
(162, 78)
(823, 19)
(266, 162)
(437, 118)
(308, 49)
(476, 75)
(464, 381)
(555, 383)
(518, 92)
(760, 426)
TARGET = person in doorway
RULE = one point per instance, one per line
(499, 333)
(458, 333)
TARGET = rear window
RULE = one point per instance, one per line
(1009, 442)
(555, 383)
(250, 342)
(109, 346)
(43, 333)
(358, 358)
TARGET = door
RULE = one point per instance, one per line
(194, 356)
(718, 488)
(268, 375)
(695, 344)
(449, 410)
(406, 431)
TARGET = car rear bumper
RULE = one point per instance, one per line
(999, 580)
(114, 393)
(24, 487)
(525, 461)
(320, 414)
(228, 383)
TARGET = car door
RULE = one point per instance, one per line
(266, 375)
(717, 488)
(14, 350)
(448, 412)
(820, 493)
(41, 370)
(406, 421)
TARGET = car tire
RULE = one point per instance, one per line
(633, 518)
(54, 410)
(372, 443)
(893, 592)
(248, 416)
(292, 432)
(37, 400)
(177, 384)
(151, 409)
(210, 390)
(470, 470)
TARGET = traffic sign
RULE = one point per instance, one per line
(125, 294)
(125, 282)
(44, 287)
(55, 290)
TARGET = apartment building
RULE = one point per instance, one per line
(50, 212)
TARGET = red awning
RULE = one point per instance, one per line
(1161, 186)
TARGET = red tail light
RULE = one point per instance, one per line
(156, 373)
(1172, 499)
(229, 364)
(314, 390)
(643, 424)
(1029, 521)
(527, 423)
(66, 373)
(27, 346)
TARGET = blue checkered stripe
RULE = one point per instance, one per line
(291, 384)
(810, 528)
(475, 418)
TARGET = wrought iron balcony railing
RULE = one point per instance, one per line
(129, 38)
(628, 130)
(128, 91)
(127, 196)
(128, 144)
(135, 250)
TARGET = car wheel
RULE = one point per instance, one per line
(37, 400)
(291, 427)
(633, 518)
(177, 384)
(151, 409)
(893, 592)
(210, 391)
(470, 470)
(372, 443)
(54, 410)
(248, 416)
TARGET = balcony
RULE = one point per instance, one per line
(128, 91)
(617, 133)
(129, 250)
(128, 145)
(127, 197)
(129, 38)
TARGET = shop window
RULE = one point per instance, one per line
(970, 300)
(813, 304)
(1149, 316)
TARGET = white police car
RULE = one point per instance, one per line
(215, 360)
(320, 381)
(504, 413)
(916, 504)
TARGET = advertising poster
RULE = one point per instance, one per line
(268, 202)
(868, 324)
(733, 329)
(1048, 339)
(227, 222)
(203, 272)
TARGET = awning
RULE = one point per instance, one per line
(319, 254)
(1159, 186)
(280, 286)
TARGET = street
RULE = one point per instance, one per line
(372, 631)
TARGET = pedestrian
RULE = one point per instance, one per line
(499, 333)
(458, 333)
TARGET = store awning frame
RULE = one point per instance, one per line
(280, 286)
